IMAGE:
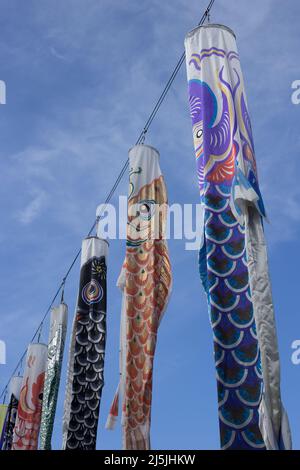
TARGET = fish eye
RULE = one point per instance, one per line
(146, 209)
(199, 133)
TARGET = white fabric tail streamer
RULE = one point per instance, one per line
(274, 423)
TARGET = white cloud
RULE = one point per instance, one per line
(33, 209)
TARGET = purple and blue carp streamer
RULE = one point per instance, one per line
(85, 378)
(13, 401)
(56, 343)
(233, 259)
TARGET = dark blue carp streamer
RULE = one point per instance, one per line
(86, 360)
(238, 290)
(12, 410)
(3, 422)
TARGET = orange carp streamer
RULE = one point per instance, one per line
(27, 427)
(146, 283)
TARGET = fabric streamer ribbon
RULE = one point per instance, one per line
(26, 431)
(3, 421)
(87, 350)
(233, 259)
(13, 401)
(145, 282)
(57, 334)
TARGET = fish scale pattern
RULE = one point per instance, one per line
(89, 352)
(148, 282)
(224, 273)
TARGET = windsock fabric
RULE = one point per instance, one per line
(57, 334)
(15, 386)
(27, 427)
(85, 378)
(7, 433)
(145, 282)
(13, 397)
(233, 259)
(3, 421)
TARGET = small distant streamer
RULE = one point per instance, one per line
(2, 92)
(2, 352)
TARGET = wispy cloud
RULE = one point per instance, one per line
(57, 54)
(33, 209)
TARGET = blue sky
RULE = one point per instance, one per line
(81, 78)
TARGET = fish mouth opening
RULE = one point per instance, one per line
(211, 25)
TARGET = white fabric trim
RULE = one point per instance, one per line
(273, 419)
(15, 385)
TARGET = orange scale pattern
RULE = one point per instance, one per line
(148, 284)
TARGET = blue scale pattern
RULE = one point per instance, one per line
(225, 277)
